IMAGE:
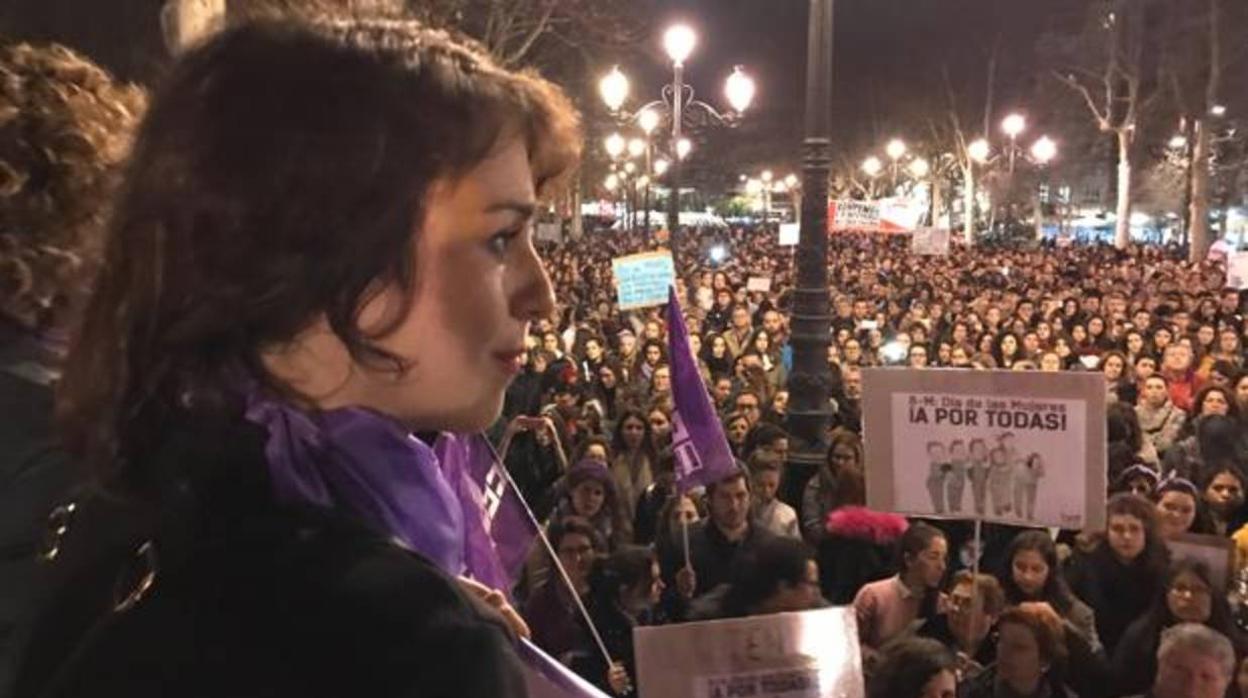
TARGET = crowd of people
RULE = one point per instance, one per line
(1073, 613)
(255, 396)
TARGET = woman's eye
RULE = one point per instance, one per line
(499, 242)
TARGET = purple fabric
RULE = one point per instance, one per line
(499, 531)
(698, 441)
(365, 463)
(547, 678)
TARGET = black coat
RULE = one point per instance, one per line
(34, 475)
(1117, 593)
(253, 599)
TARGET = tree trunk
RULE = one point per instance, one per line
(937, 201)
(577, 229)
(1122, 226)
(1198, 211)
(968, 205)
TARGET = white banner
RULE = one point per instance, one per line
(894, 215)
(930, 241)
(790, 233)
(1237, 271)
(813, 654)
(1008, 446)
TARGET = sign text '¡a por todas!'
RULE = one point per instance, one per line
(991, 413)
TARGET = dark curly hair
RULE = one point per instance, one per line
(277, 178)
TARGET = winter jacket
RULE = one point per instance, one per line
(1161, 425)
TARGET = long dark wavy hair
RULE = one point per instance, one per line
(1055, 591)
(279, 176)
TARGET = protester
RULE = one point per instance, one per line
(1032, 575)
(624, 592)
(838, 483)
(1180, 509)
(768, 512)
(64, 134)
(1189, 595)
(887, 608)
(1031, 657)
(551, 611)
(1121, 575)
(280, 360)
(1160, 418)
(966, 626)
(1193, 661)
(914, 668)
(777, 575)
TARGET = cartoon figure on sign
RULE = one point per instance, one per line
(956, 482)
(1000, 478)
(979, 469)
(1026, 479)
(937, 473)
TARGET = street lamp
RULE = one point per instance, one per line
(1013, 126)
(872, 166)
(660, 167)
(615, 145)
(678, 98)
(636, 148)
(792, 181)
(683, 148)
(1043, 150)
(919, 168)
(739, 89)
(613, 88)
(679, 41)
(895, 149)
(979, 150)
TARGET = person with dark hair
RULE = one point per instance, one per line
(1138, 479)
(888, 607)
(778, 575)
(715, 544)
(1031, 657)
(1216, 440)
(1188, 595)
(624, 591)
(1223, 492)
(768, 437)
(1121, 575)
(588, 491)
(64, 134)
(1032, 574)
(914, 667)
(766, 509)
(635, 459)
(1180, 509)
(551, 611)
(321, 249)
(838, 483)
(1126, 443)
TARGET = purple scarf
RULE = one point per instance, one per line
(369, 465)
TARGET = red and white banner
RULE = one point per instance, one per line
(879, 216)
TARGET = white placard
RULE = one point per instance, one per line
(813, 654)
(790, 233)
(758, 283)
(1237, 271)
(1016, 447)
(642, 280)
(930, 241)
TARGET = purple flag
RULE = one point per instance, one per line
(698, 441)
(547, 678)
(497, 529)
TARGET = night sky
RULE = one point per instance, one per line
(887, 61)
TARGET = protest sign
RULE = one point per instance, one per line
(1216, 552)
(642, 280)
(894, 215)
(813, 654)
(790, 233)
(1007, 446)
(930, 241)
(758, 283)
(1237, 271)
(549, 232)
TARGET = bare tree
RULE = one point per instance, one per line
(1108, 72)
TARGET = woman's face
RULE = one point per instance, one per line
(1135, 343)
(1176, 511)
(958, 357)
(1044, 331)
(1144, 368)
(633, 432)
(762, 343)
(1009, 345)
(685, 511)
(1224, 494)
(1096, 326)
(1078, 333)
(1019, 663)
(1189, 598)
(1228, 342)
(653, 354)
(1205, 335)
(695, 344)
(1214, 403)
(737, 429)
(479, 284)
(1241, 392)
(607, 376)
(1030, 572)
(1126, 535)
(929, 565)
(718, 347)
(587, 498)
(1112, 368)
(660, 425)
